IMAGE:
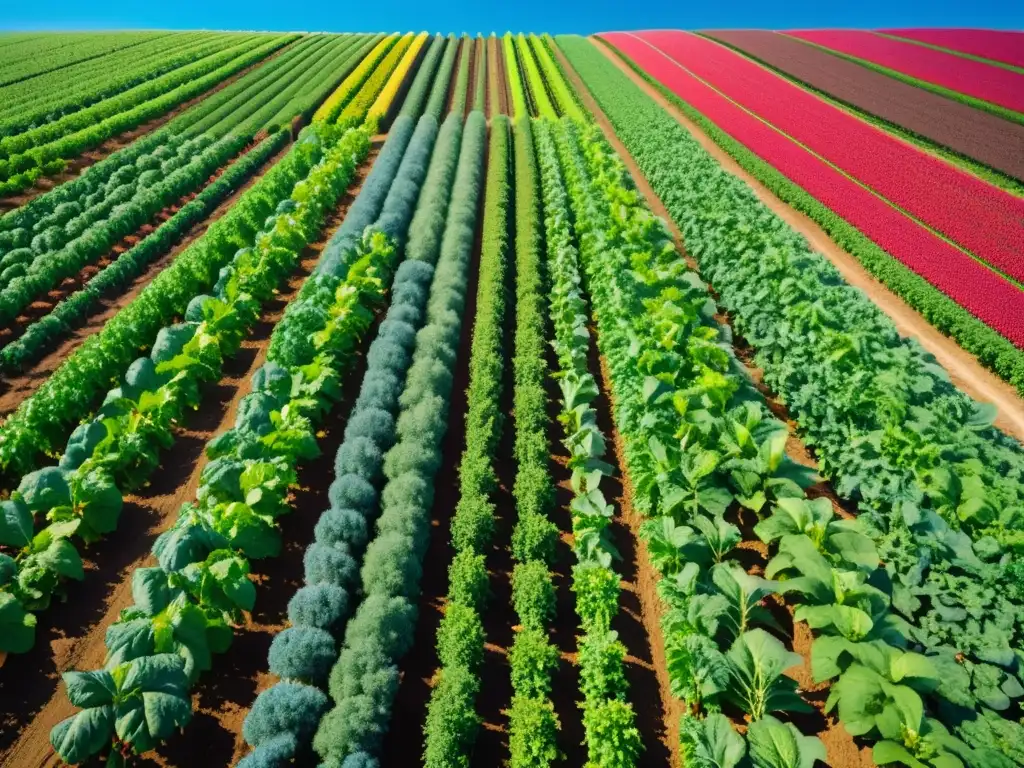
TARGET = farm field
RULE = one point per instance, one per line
(642, 399)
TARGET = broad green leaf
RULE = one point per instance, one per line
(84, 734)
(17, 626)
(774, 744)
(90, 689)
(15, 523)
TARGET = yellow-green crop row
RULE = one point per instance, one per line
(387, 96)
(350, 86)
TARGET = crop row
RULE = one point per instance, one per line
(349, 87)
(53, 52)
(983, 83)
(94, 125)
(284, 718)
(419, 90)
(452, 721)
(387, 98)
(564, 97)
(536, 86)
(989, 44)
(45, 99)
(869, 228)
(200, 585)
(68, 313)
(359, 108)
(364, 680)
(978, 216)
(935, 485)
(609, 722)
(117, 450)
(533, 724)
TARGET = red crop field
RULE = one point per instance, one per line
(976, 288)
(972, 78)
(978, 216)
(1007, 47)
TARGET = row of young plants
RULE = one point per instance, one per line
(382, 107)
(119, 448)
(480, 85)
(533, 723)
(19, 144)
(41, 334)
(610, 733)
(43, 421)
(306, 92)
(186, 606)
(437, 102)
(49, 97)
(461, 90)
(331, 108)
(530, 73)
(419, 91)
(283, 719)
(357, 110)
(564, 97)
(365, 678)
(21, 170)
(452, 721)
(72, 242)
(520, 99)
(702, 448)
(939, 491)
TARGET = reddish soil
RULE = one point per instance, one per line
(72, 636)
(90, 157)
(14, 389)
(964, 369)
(498, 77)
(971, 132)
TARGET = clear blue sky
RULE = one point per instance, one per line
(583, 16)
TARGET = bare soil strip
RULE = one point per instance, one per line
(472, 50)
(964, 369)
(498, 71)
(90, 157)
(72, 636)
(14, 389)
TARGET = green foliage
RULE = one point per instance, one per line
(533, 594)
(613, 740)
(533, 730)
(460, 637)
(452, 722)
(467, 580)
(532, 658)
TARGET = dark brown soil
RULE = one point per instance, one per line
(971, 132)
(14, 389)
(72, 637)
(90, 157)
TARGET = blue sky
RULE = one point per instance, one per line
(582, 16)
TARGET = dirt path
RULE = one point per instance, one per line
(90, 157)
(964, 369)
(14, 389)
(73, 636)
(499, 77)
